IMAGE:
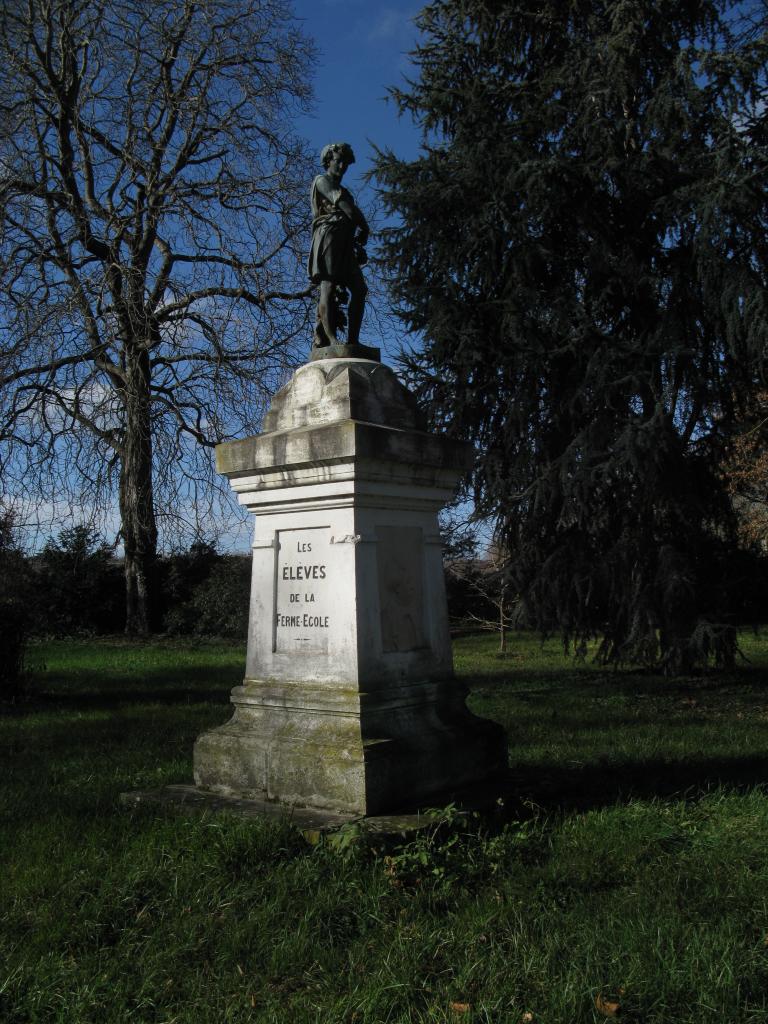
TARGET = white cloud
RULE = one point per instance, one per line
(391, 23)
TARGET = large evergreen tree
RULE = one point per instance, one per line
(581, 246)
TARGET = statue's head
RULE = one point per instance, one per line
(342, 149)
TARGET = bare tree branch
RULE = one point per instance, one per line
(152, 285)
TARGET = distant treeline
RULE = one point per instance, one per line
(76, 586)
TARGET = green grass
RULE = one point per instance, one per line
(629, 863)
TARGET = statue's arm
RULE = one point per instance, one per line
(350, 208)
(342, 200)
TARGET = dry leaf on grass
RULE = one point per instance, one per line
(461, 1007)
(609, 1006)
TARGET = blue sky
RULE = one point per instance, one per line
(363, 49)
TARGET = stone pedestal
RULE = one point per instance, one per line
(349, 701)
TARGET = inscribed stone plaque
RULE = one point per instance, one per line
(399, 553)
(302, 591)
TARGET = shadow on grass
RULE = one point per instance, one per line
(541, 681)
(573, 712)
(148, 716)
(103, 690)
(558, 788)
(154, 737)
(50, 700)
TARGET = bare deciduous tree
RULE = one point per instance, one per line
(153, 217)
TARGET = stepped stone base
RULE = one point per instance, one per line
(322, 759)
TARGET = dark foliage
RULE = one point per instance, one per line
(75, 587)
(463, 580)
(206, 594)
(14, 630)
(581, 245)
(78, 585)
(14, 615)
(179, 575)
(14, 570)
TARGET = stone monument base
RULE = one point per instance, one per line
(297, 744)
(349, 702)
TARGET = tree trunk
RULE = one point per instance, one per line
(502, 621)
(137, 509)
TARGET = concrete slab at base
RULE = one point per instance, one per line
(312, 824)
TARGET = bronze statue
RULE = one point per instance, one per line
(339, 235)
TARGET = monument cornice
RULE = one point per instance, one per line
(340, 442)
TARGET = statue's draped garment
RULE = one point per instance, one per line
(332, 256)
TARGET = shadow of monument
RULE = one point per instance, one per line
(532, 784)
(535, 787)
(677, 708)
(126, 698)
(93, 690)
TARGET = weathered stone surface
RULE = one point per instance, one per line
(349, 702)
(274, 457)
(330, 390)
(410, 743)
(345, 352)
(196, 799)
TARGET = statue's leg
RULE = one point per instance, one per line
(326, 313)
(357, 292)
(320, 340)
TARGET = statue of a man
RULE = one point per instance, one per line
(339, 234)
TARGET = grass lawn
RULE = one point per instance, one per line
(627, 878)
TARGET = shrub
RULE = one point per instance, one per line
(79, 585)
(181, 573)
(14, 629)
(217, 605)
